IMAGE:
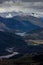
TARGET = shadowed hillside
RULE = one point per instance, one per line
(26, 60)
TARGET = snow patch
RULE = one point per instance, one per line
(21, 34)
(10, 55)
(37, 15)
(9, 16)
(10, 50)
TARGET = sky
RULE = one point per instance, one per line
(26, 6)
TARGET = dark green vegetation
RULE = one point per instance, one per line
(9, 40)
(25, 60)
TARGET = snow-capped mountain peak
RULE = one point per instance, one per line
(37, 15)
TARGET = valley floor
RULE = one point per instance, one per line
(35, 42)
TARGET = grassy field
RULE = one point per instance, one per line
(37, 41)
(34, 42)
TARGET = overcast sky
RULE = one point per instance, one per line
(27, 6)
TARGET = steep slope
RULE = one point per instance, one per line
(41, 19)
(14, 46)
(22, 23)
(11, 43)
(3, 27)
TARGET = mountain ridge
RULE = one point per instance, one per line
(23, 23)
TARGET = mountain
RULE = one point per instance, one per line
(41, 19)
(22, 23)
(14, 46)
(36, 34)
(5, 14)
(38, 15)
(3, 27)
(11, 44)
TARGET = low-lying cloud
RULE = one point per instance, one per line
(21, 5)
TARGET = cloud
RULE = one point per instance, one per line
(1, 1)
(21, 5)
(32, 0)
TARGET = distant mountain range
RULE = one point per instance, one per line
(15, 13)
(4, 15)
(22, 23)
